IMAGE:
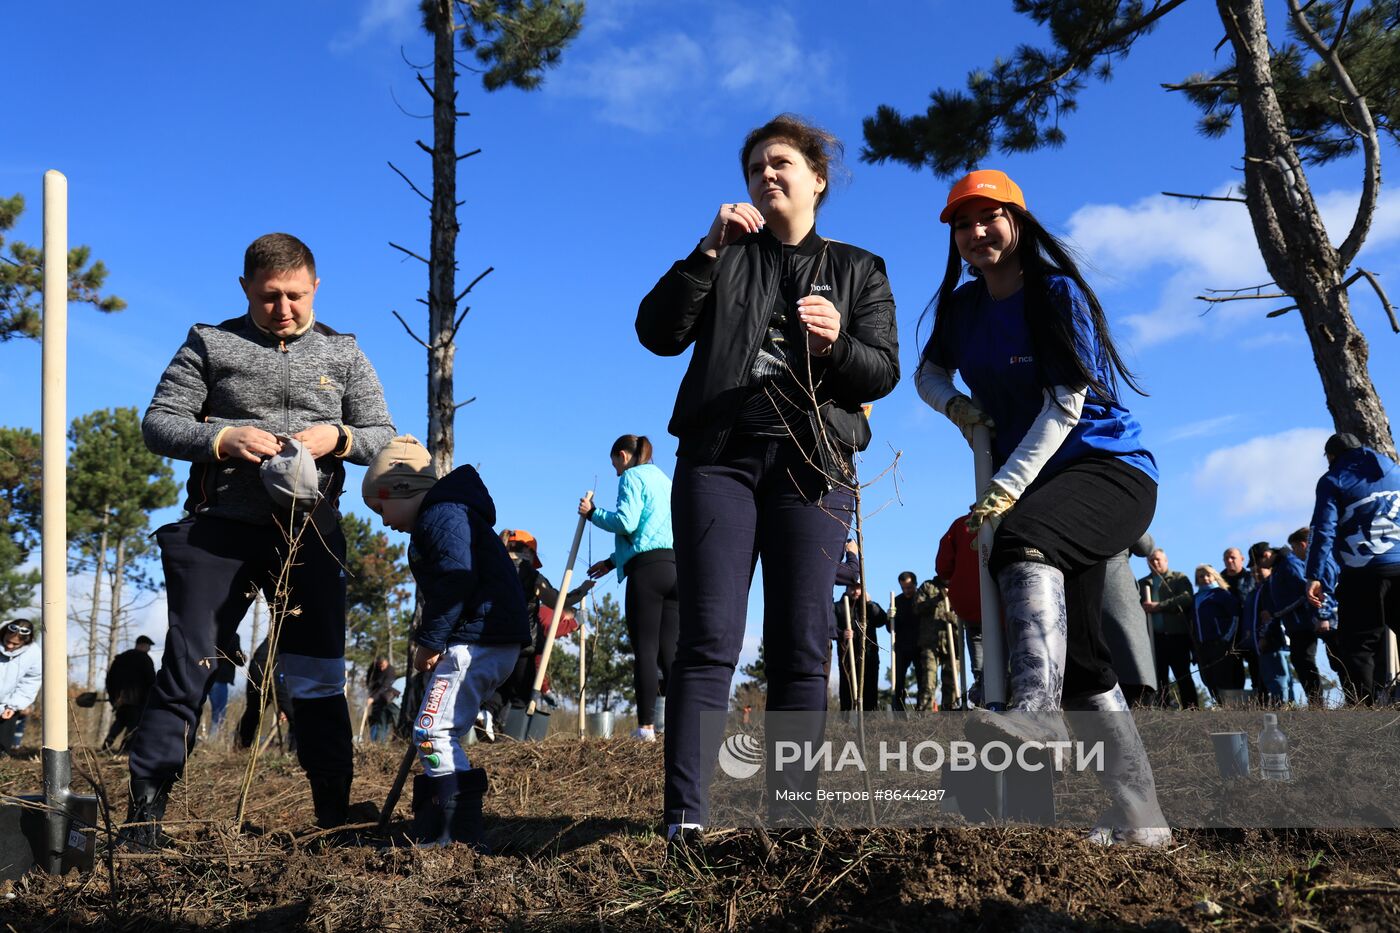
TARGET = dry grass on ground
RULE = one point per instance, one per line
(573, 826)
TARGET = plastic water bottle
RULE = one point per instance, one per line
(1273, 751)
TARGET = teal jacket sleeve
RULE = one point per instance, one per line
(628, 516)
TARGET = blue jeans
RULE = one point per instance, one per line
(218, 702)
(1273, 677)
(761, 500)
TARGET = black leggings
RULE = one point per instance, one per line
(653, 621)
(1174, 656)
(1075, 520)
(1369, 601)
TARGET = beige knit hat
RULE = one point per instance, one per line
(401, 470)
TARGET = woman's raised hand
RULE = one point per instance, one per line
(822, 322)
(600, 569)
(732, 221)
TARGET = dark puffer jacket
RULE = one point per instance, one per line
(723, 306)
(471, 592)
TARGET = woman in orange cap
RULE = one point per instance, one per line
(1074, 484)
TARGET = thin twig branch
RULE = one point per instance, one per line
(424, 146)
(410, 183)
(1280, 311)
(427, 87)
(458, 323)
(467, 402)
(1268, 295)
(472, 284)
(409, 252)
(409, 329)
(1341, 28)
(1187, 85)
(1370, 142)
(410, 64)
(1236, 291)
(404, 110)
(468, 155)
(1203, 197)
(1380, 293)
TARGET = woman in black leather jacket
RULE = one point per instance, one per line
(792, 334)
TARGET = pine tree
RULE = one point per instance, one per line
(114, 483)
(607, 662)
(22, 280)
(514, 42)
(1332, 90)
(20, 482)
(375, 591)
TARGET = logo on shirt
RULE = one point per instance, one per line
(1022, 359)
(821, 288)
(325, 383)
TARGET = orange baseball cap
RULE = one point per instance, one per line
(983, 183)
(518, 536)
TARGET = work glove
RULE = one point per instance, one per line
(993, 503)
(964, 413)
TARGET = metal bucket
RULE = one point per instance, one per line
(600, 725)
(1236, 699)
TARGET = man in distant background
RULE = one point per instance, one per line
(128, 685)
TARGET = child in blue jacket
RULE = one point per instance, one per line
(474, 624)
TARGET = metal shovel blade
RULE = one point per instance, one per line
(24, 834)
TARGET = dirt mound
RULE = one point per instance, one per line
(574, 829)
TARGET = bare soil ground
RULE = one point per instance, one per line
(574, 828)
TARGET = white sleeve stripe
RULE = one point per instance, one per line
(1042, 439)
(935, 386)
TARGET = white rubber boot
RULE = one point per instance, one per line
(1135, 818)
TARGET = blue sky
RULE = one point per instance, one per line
(187, 133)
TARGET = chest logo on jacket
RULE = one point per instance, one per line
(1022, 359)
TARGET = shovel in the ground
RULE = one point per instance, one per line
(1015, 794)
(53, 830)
(534, 725)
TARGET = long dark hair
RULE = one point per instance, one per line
(1052, 335)
(636, 445)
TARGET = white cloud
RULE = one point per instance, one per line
(393, 19)
(636, 87)
(762, 58)
(656, 80)
(1203, 428)
(1273, 475)
(1197, 246)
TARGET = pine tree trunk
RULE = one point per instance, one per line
(442, 267)
(114, 620)
(99, 565)
(1293, 240)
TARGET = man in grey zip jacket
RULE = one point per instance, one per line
(221, 404)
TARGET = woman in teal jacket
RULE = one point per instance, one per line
(643, 557)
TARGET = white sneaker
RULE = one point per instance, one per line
(486, 726)
(645, 734)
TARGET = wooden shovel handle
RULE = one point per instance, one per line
(558, 611)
